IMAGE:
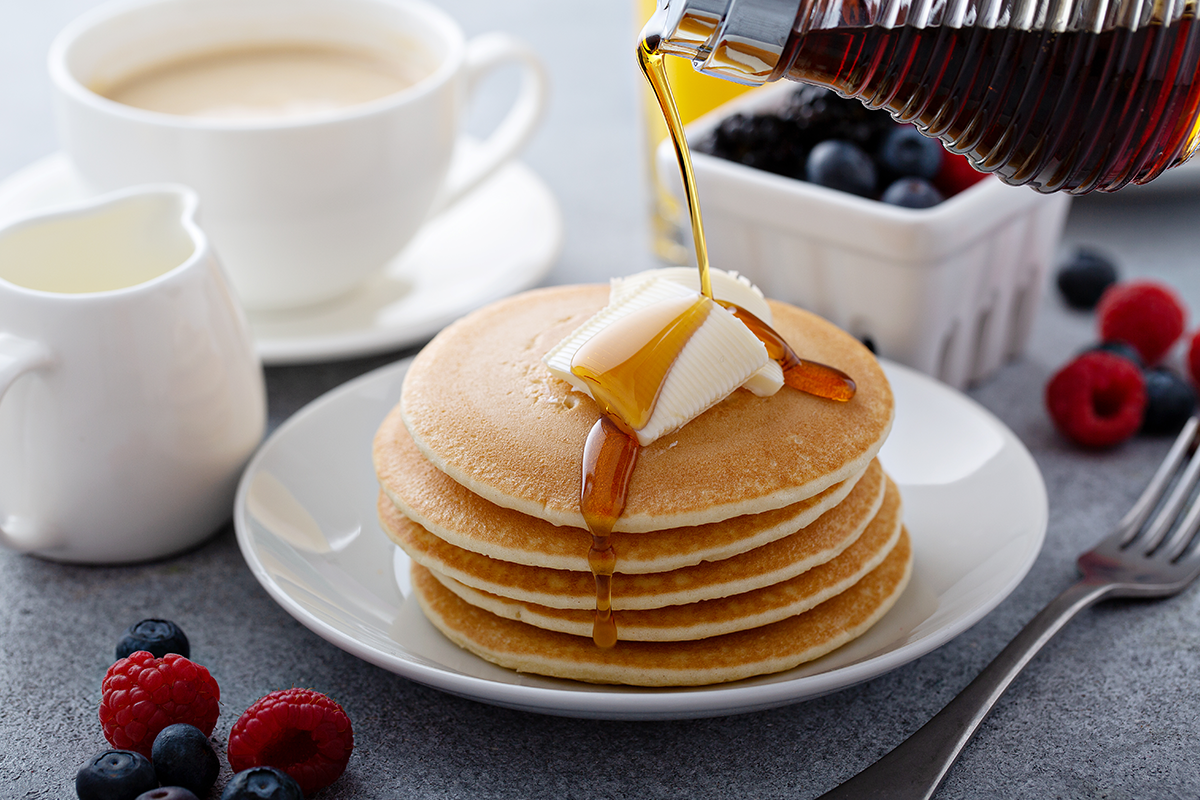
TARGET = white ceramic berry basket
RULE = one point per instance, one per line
(950, 290)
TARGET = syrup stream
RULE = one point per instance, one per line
(628, 387)
(651, 62)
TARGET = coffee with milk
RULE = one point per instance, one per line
(268, 81)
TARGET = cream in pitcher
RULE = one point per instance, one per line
(130, 391)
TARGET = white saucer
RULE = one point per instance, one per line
(501, 239)
(974, 502)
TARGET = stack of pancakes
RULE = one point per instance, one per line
(760, 535)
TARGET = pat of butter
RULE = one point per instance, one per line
(722, 355)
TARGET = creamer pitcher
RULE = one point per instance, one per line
(130, 391)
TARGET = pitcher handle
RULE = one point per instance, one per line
(484, 54)
(17, 357)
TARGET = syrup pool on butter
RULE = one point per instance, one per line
(721, 356)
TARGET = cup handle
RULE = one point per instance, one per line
(484, 54)
(18, 356)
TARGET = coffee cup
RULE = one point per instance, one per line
(131, 394)
(319, 134)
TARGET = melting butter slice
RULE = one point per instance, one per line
(722, 354)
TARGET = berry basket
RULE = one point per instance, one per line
(950, 290)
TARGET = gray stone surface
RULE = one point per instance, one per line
(1109, 710)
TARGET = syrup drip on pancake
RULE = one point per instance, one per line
(806, 376)
(626, 379)
(609, 456)
(626, 386)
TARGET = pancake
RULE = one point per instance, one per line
(777, 561)
(448, 510)
(707, 618)
(718, 659)
(483, 409)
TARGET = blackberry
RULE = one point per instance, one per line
(762, 141)
(156, 636)
(820, 114)
(262, 783)
(115, 775)
(183, 756)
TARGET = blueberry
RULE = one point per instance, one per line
(262, 783)
(906, 153)
(912, 193)
(842, 165)
(158, 636)
(1084, 276)
(168, 793)
(1123, 349)
(115, 775)
(183, 756)
(1170, 400)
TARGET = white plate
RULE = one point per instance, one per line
(305, 517)
(502, 238)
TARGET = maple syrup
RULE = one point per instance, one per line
(809, 377)
(609, 456)
(1076, 97)
(651, 62)
(1072, 110)
(626, 365)
(625, 376)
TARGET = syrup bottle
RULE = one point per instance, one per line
(1057, 95)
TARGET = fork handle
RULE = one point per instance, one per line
(915, 769)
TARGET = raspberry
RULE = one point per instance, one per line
(1098, 399)
(142, 694)
(1193, 359)
(1146, 314)
(299, 731)
(956, 174)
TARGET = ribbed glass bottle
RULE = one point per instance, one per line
(1060, 95)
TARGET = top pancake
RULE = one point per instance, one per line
(481, 406)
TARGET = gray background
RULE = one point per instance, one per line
(1108, 710)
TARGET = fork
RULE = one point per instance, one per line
(1136, 560)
